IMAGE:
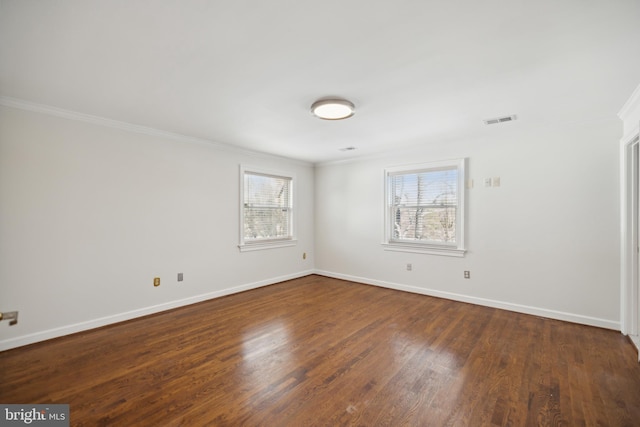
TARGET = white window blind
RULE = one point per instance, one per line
(425, 206)
(267, 205)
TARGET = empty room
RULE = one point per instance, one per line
(295, 213)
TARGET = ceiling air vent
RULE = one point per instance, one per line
(500, 120)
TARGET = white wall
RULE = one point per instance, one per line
(89, 215)
(545, 242)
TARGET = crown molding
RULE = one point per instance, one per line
(631, 104)
(129, 127)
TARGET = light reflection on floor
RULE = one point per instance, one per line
(266, 355)
(438, 377)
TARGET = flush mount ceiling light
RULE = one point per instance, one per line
(332, 109)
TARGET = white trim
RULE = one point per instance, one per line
(630, 136)
(255, 245)
(129, 127)
(269, 244)
(518, 308)
(121, 317)
(628, 244)
(457, 250)
(635, 339)
(629, 262)
(632, 102)
(423, 249)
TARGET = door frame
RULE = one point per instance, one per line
(630, 221)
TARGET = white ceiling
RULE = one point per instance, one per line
(245, 72)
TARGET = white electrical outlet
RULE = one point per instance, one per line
(409, 267)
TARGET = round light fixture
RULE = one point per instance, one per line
(333, 109)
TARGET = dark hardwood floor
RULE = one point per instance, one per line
(323, 352)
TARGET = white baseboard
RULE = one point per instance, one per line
(120, 317)
(20, 341)
(635, 339)
(542, 312)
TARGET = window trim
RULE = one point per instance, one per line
(255, 245)
(457, 249)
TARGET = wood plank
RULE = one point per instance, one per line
(321, 351)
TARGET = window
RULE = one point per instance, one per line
(266, 209)
(424, 208)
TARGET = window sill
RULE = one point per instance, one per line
(424, 249)
(272, 244)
